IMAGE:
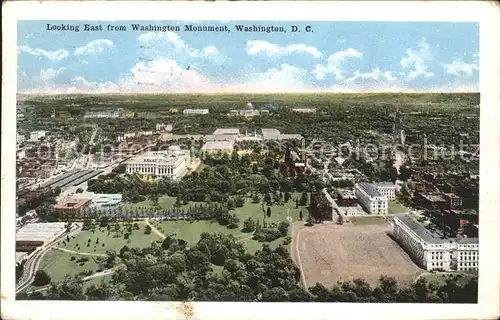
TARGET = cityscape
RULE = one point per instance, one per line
(258, 196)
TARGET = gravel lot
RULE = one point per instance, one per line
(329, 252)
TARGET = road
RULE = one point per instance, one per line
(33, 262)
(161, 235)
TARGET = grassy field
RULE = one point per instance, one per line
(57, 264)
(396, 207)
(112, 241)
(165, 202)
(364, 220)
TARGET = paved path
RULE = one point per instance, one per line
(33, 263)
(81, 253)
(161, 235)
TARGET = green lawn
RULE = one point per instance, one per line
(362, 220)
(278, 212)
(396, 207)
(57, 264)
(164, 202)
(112, 241)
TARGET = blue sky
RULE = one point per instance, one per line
(336, 56)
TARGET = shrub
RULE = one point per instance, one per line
(72, 258)
(41, 278)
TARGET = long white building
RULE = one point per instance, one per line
(195, 111)
(431, 250)
(171, 163)
(37, 135)
(374, 196)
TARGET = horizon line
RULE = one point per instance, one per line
(242, 92)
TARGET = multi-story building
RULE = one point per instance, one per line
(218, 146)
(72, 206)
(171, 163)
(37, 135)
(454, 201)
(374, 197)
(431, 250)
(164, 127)
(20, 139)
(304, 110)
(115, 113)
(386, 189)
(195, 111)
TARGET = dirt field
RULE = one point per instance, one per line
(329, 252)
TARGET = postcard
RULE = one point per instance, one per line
(166, 163)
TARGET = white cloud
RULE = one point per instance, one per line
(416, 61)
(94, 47)
(164, 75)
(458, 66)
(255, 47)
(52, 55)
(286, 78)
(376, 75)
(334, 64)
(158, 42)
(48, 76)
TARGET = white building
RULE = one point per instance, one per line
(20, 139)
(37, 135)
(21, 154)
(195, 111)
(164, 127)
(218, 146)
(115, 113)
(231, 131)
(102, 201)
(371, 199)
(431, 250)
(171, 163)
(304, 110)
(387, 189)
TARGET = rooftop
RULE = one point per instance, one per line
(163, 157)
(424, 233)
(221, 137)
(39, 231)
(270, 131)
(369, 188)
(434, 197)
(218, 145)
(71, 203)
(467, 240)
(227, 131)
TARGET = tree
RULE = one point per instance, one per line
(287, 196)
(268, 200)
(147, 229)
(79, 190)
(303, 199)
(268, 212)
(248, 225)
(283, 228)
(41, 278)
(255, 198)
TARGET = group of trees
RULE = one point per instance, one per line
(388, 290)
(172, 271)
